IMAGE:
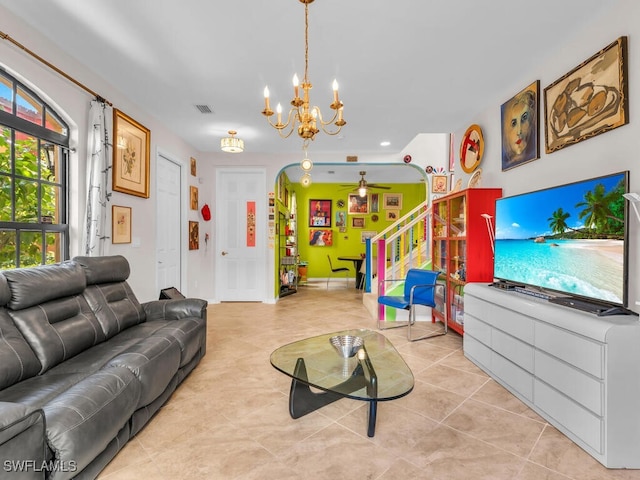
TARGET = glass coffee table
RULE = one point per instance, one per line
(375, 372)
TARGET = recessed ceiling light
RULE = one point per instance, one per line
(385, 143)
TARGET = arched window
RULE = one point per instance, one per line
(34, 150)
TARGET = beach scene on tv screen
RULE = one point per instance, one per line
(568, 238)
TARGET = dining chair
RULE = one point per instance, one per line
(337, 270)
(363, 271)
(419, 289)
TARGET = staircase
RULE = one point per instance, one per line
(403, 245)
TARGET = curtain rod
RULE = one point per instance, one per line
(5, 36)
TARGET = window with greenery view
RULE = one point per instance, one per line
(33, 179)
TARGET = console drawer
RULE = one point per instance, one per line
(515, 377)
(585, 354)
(477, 352)
(518, 352)
(580, 422)
(574, 383)
(477, 329)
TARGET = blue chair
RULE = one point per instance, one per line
(419, 289)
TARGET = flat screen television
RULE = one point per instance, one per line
(570, 240)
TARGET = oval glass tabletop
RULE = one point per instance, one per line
(317, 363)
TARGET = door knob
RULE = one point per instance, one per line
(224, 253)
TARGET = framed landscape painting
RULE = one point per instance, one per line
(591, 99)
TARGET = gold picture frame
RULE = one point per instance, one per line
(193, 197)
(120, 224)
(130, 156)
(439, 184)
(194, 235)
(392, 200)
(193, 166)
(591, 99)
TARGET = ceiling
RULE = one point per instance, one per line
(404, 67)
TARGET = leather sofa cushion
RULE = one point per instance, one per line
(5, 292)
(33, 286)
(108, 269)
(83, 420)
(187, 332)
(115, 306)
(17, 360)
(154, 361)
(58, 329)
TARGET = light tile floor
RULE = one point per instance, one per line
(230, 420)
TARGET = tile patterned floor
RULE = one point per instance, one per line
(230, 420)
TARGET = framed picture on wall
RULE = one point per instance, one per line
(392, 215)
(358, 204)
(320, 237)
(341, 218)
(366, 234)
(319, 213)
(591, 99)
(439, 184)
(194, 235)
(392, 200)
(131, 156)
(193, 197)
(357, 222)
(120, 224)
(519, 119)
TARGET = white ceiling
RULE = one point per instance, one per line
(404, 67)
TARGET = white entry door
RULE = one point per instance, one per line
(168, 222)
(241, 244)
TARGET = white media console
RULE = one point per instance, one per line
(578, 371)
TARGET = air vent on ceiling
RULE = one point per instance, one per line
(352, 158)
(204, 108)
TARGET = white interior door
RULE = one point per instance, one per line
(240, 252)
(168, 221)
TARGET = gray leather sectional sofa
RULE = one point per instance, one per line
(84, 366)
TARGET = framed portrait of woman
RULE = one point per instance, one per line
(520, 122)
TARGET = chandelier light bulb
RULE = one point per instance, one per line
(362, 191)
(306, 164)
(305, 180)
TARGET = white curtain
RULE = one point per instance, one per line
(98, 167)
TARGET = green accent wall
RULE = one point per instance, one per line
(348, 242)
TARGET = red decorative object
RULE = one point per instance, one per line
(206, 212)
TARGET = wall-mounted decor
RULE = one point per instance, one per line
(193, 166)
(320, 237)
(194, 236)
(366, 234)
(392, 200)
(520, 127)
(120, 224)
(130, 156)
(319, 213)
(439, 184)
(357, 222)
(471, 148)
(375, 203)
(392, 215)
(341, 218)
(589, 100)
(251, 224)
(193, 197)
(358, 204)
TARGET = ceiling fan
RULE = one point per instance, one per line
(363, 186)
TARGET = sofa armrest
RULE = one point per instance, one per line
(22, 440)
(175, 309)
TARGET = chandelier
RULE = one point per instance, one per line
(302, 115)
(232, 144)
